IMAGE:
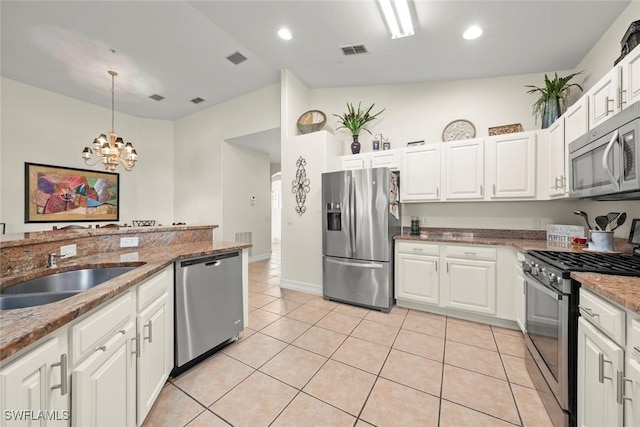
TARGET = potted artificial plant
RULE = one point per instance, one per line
(553, 98)
(354, 120)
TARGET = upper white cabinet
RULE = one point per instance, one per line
(576, 120)
(556, 160)
(464, 170)
(630, 79)
(355, 161)
(511, 165)
(421, 173)
(603, 98)
(385, 159)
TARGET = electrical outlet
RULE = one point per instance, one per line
(536, 223)
(130, 257)
(424, 221)
(67, 251)
(128, 242)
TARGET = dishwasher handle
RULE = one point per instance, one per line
(209, 260)
(213, 263)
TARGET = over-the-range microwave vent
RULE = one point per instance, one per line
(354, 49)
(236, 58)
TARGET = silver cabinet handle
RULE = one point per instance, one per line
(637, 349)
(494, 189)
(417, 249)
(150, 337)
(437, 191)
(601, 362)
(103, 348)
(606, 106)
(470, 253)
(136, 347)
(447, 267)
(619, 386)
(63, 386)
(624, 381)
(436, 266)
(122, 331)
(621, 93)
(588, 311)
(563, 181)
(481, 193)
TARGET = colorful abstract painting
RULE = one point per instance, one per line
(55, 194)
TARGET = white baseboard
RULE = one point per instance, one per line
(308, 288)
(261, 257)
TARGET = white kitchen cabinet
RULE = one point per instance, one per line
(417, 272)
(556, 160)
(104, 385)
(603, 98)
(37, 384)
(421, 173)
(632, 393)
(464, 170)
(511, 165)
(385, 159)
(630, 79)
(468, 281)
(154, 364)
(354, 161)
(576, 120)
(600, 365)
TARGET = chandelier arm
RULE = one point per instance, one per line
(92, 164)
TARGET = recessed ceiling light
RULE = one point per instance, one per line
(472, 32)
(284, 34)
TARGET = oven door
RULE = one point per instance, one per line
(547, 325)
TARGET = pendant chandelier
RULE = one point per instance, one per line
(111, 150)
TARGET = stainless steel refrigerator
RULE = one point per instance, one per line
(360, 216)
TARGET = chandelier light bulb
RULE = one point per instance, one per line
(472, 32)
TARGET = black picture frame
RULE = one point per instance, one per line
(64, 194)
(634, 234)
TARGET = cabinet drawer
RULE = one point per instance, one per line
(417, 248)
(471, 252)
(609, 318)
(92, 331)
(152, 288)
(634, 339)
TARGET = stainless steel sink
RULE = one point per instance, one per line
(74, 281)
(8, 302)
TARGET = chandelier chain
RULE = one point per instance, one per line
(113, 102)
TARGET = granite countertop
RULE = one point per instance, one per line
(21, 327)
(622, 289)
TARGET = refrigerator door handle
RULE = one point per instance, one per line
(354, 264)
(352, 215)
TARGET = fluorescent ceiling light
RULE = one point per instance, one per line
(285, 34)
(398, 17)
(472, 32)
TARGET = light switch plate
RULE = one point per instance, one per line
(67, 251)
(130, 257)
(129, 242)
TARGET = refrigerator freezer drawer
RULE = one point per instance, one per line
(365, 283)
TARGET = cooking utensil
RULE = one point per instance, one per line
(620, 220)
(611, 217)
(585, 216)
(602, 222)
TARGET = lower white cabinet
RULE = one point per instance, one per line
(469, 285)
(520, 294)
(37, 385)
(417, 272)
(632, 393)
(104, 385)
(600, 367)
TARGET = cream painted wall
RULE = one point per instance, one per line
(246, 173)
(198, 140)
(39, 126)
(600, 58)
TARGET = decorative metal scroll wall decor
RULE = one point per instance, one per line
(300, 186)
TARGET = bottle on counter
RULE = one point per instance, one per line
(415, 226)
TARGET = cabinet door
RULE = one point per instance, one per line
(104, 385)
(599, 361)
(511, 166)
(576, 120)
(603, 98)
(358, 161)
(632, 394)
(417, 278)
(385, 159)
(31, 385)
(470, 285)
(420, 173)
(154, 357)
(520, 301)
(464, 170)
(630, 85)
(556, 175)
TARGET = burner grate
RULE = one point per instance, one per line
(604, 263)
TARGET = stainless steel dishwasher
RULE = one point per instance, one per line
(208, 306)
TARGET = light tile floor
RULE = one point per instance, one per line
(305, 361)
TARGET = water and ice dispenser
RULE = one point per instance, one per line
(334, 217)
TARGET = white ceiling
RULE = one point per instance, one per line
(178, 48)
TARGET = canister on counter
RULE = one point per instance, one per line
(415, 226)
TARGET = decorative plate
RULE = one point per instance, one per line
(458, 129)
(311, 121)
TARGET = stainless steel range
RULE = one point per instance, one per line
(551, 322)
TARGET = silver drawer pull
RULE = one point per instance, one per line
(619, 387)
(418, 249)
(589, 311)
(122, 331)
(136, 346)
(470, 253)
(150, 336)
(624, 381)
(63, 386)
(607, 101)
(601, 363)
(637, 349)
(103, 348)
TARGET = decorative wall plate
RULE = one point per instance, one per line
(311, 121)
(458, 129)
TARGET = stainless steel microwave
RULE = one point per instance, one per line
(605, 162)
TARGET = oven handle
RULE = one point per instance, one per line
(605, 160)
(545, 290)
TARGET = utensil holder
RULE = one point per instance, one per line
(601, 241)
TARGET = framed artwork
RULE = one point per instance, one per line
(634, 234)
(59, 194)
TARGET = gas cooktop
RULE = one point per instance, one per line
(604, 263)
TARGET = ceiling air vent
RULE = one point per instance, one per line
(156, 97)
(354, 49)
(236, 58)
(197, 100)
